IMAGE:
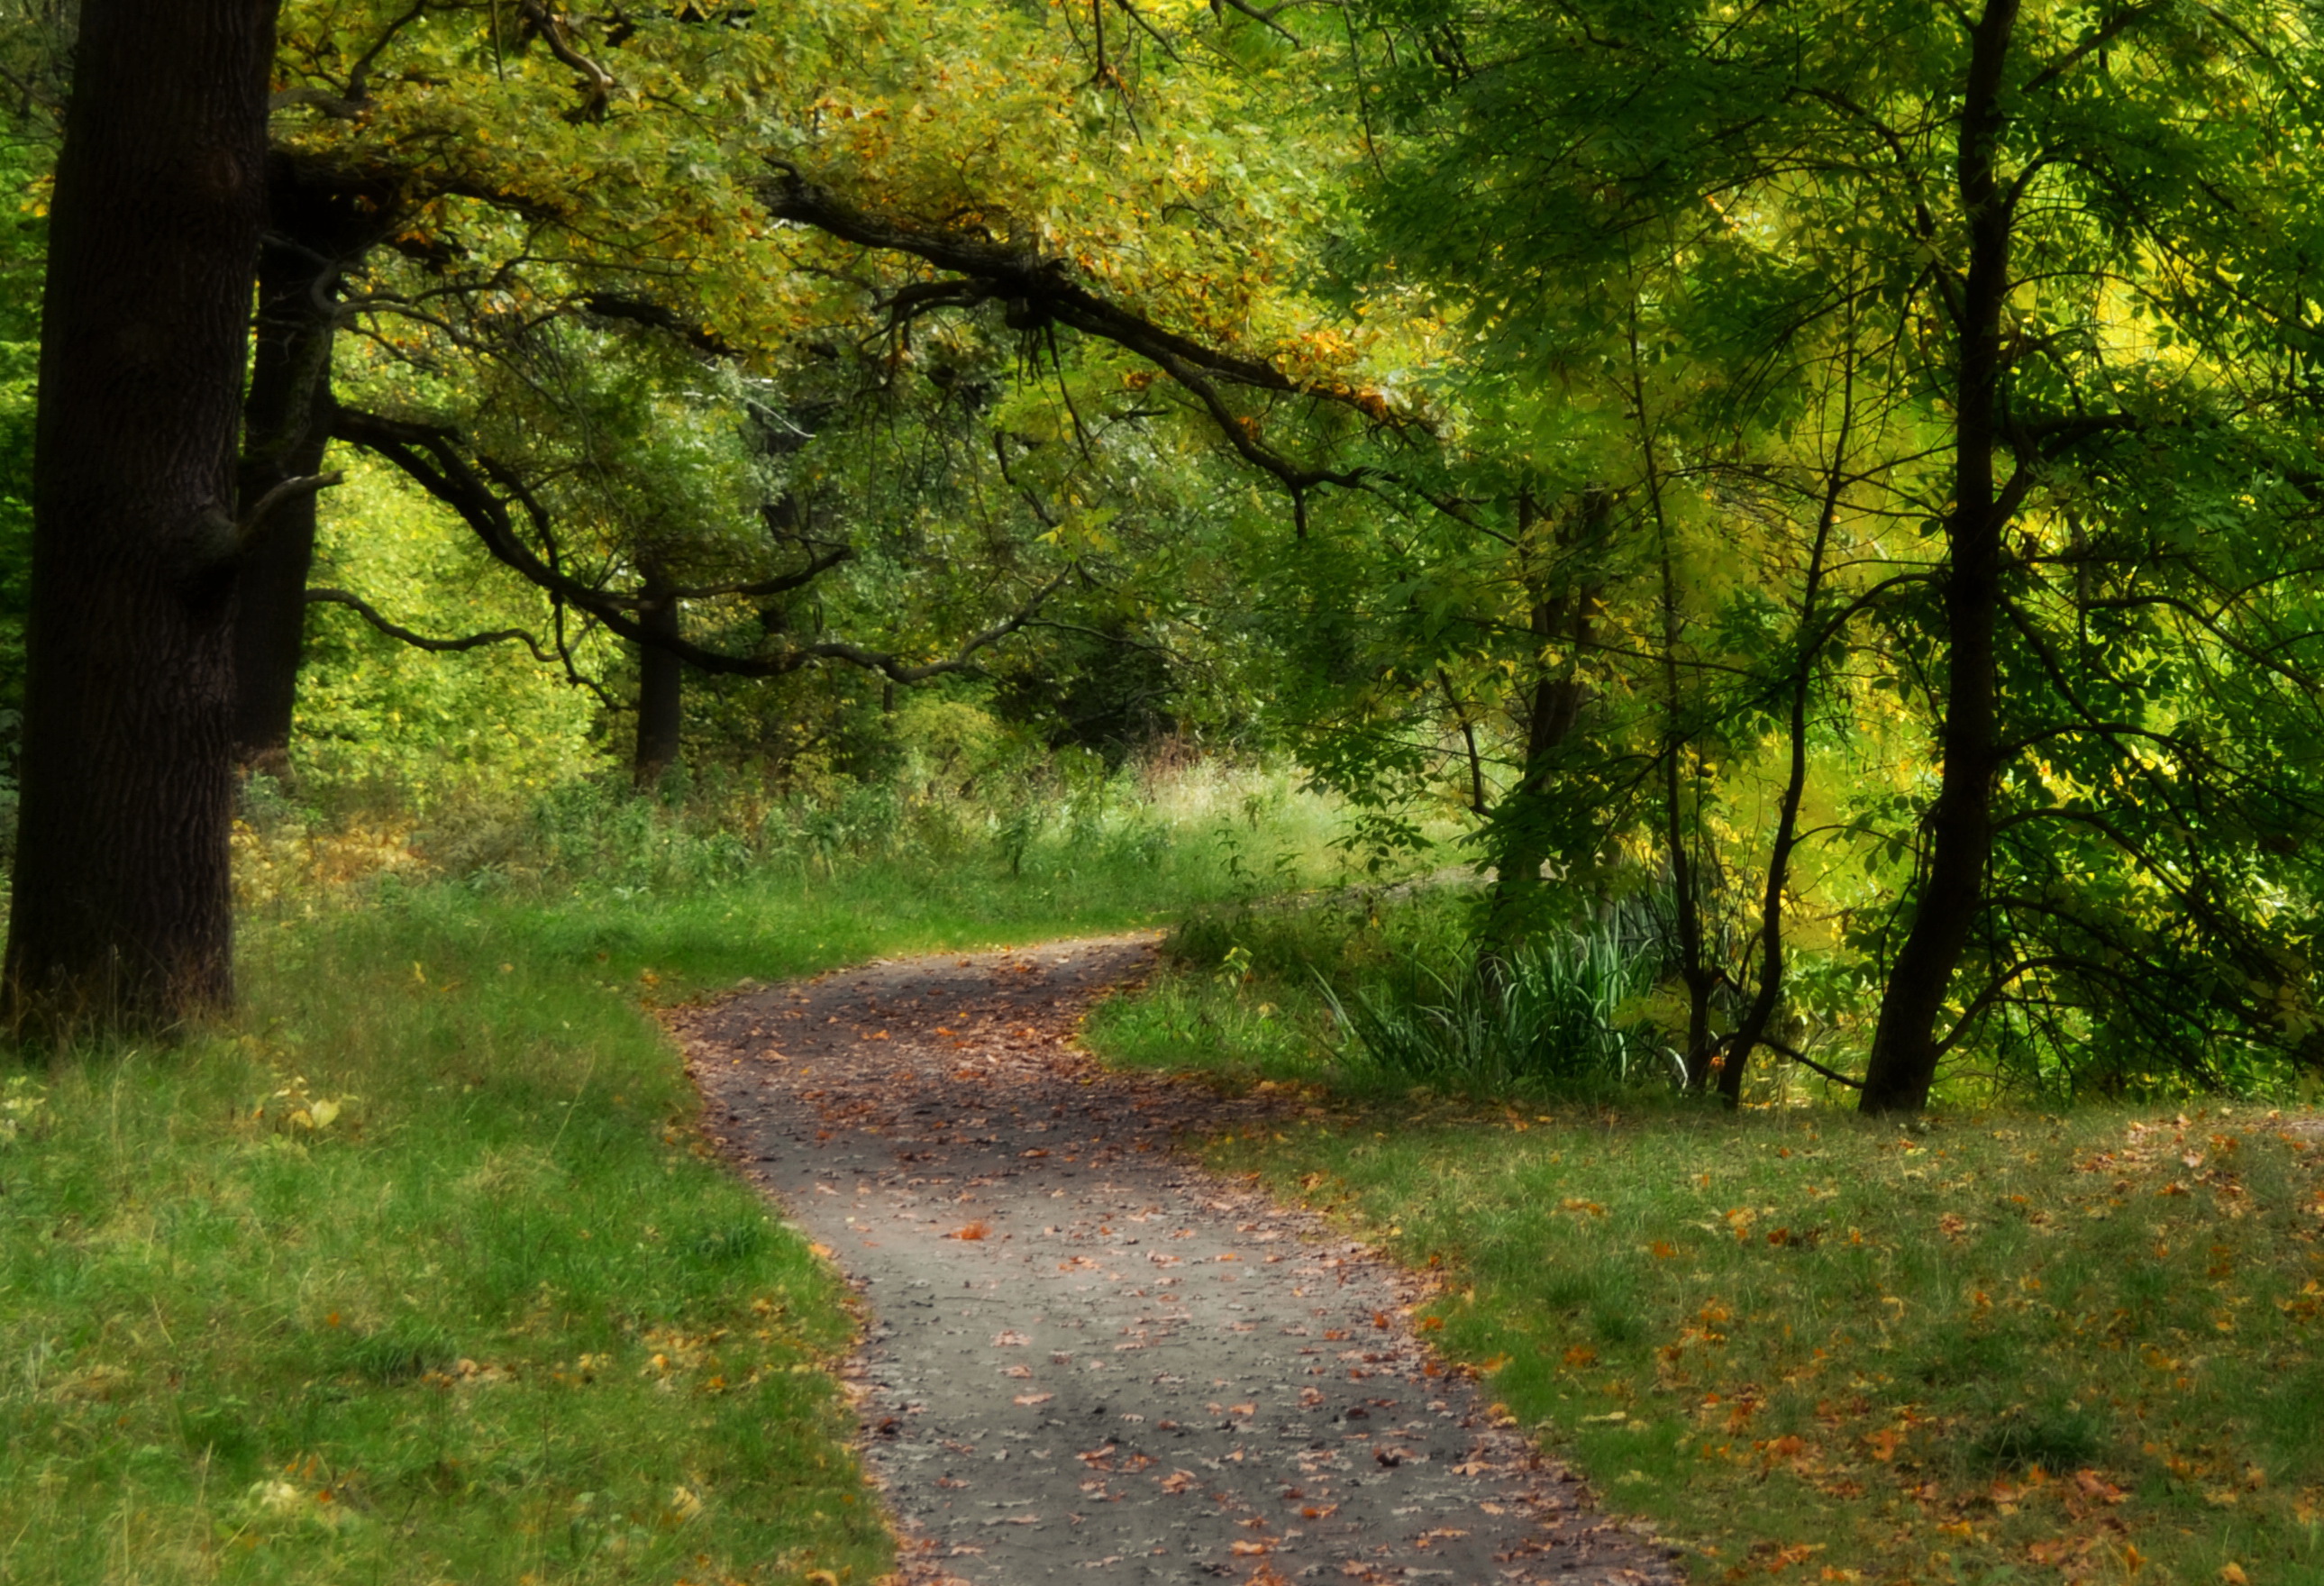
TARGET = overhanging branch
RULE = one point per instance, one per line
(435, 458)
(397, 631)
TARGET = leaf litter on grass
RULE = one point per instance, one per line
(2082, 1350)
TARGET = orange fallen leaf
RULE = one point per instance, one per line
(972, 1231)
(1033, 1398)
(2094, 1485)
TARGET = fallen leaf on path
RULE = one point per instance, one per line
(972, 1231)
(1034, 1399)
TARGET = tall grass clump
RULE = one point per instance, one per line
(1550, 1015)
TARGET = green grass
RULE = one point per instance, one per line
(416, 1272)
(1996, 1347)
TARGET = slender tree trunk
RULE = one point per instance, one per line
(123, 906)
(1753, 1028)
(661, 693)
(1903, 1060)
(1694, 971)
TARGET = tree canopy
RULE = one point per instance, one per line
(1841, 482)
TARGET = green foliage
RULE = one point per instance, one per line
(422, 1275)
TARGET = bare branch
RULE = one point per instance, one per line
(396, 631)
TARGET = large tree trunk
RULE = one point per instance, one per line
(1904, 1045)
(123, 912)
(661, 694)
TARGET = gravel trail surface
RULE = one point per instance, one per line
(1089, 1359)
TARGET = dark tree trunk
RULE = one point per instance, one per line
(287, 428)
(1695, 969)
(1552, 709)
(321, 220)
(122, 911)
(661, 693)
(1903, 1065)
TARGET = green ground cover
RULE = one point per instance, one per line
(1997, 1346)
(416, 1272)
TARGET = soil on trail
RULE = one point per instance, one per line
(1089, 1359)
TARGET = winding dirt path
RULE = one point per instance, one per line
(1089, 1359)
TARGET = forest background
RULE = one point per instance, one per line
(1819, 507)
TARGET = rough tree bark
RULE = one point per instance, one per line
(1904, 1046)
(122, 915)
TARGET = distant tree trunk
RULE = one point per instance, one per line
(287, 428)
(1902, 1064)
(1553, 708)
(321, 220)
(661, 692)
(122, 905)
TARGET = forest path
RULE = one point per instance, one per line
(1089, 1359)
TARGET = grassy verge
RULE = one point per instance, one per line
(416, 1273)
(1993, 1347)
